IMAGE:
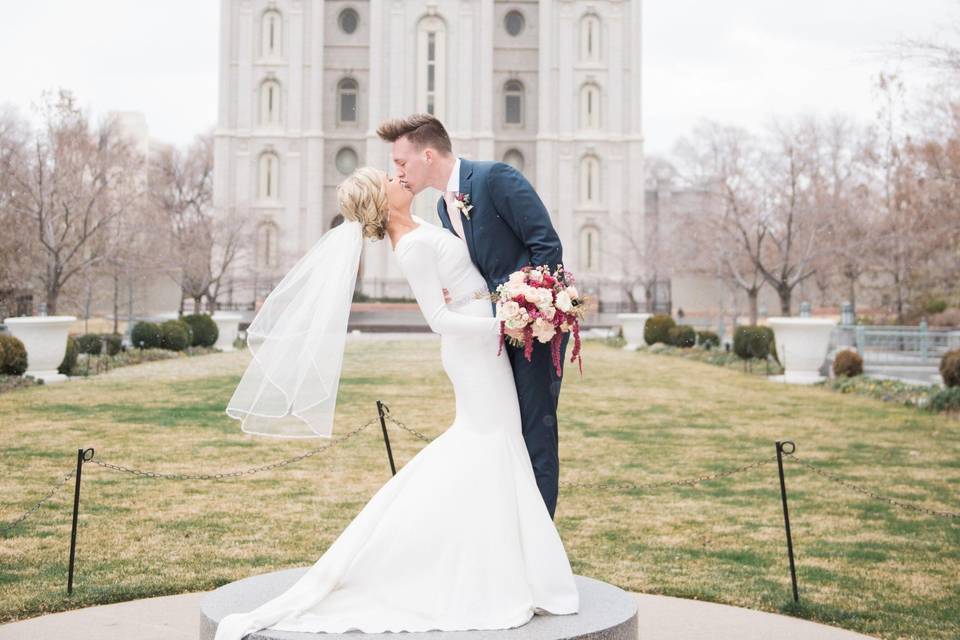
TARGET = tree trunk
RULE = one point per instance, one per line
(752, 295)
(785, 294)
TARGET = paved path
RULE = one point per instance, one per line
(178, 618)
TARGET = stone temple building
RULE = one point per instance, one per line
(552, 87)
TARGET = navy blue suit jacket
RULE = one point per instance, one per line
(508, 228)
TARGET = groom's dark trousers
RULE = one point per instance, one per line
(509, 228)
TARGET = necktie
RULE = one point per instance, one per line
(454, 213)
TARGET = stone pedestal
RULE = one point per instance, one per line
(606, 613)
(45, 338)
(802, 346)
(228, 327)
(633, 326)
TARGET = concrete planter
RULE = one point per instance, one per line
(802, 346)
(633, 325)
(45, 338)
(228, 327)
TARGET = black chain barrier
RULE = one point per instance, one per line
(26, 514)
(234, 474)
(621, 486)
(850, 485)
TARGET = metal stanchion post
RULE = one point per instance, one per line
(82, 456)
(386, 437)
(786, 515)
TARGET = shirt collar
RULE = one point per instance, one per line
(453, 182)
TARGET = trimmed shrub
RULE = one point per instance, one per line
(114, 342)
(205, 332)
(69, 357)
(847, 363)
(945, 400)
(708, 339)
(752, 342)
(91, 343)
(657, 329)
(936, 305)
(13, 356)
(174, 335)
(682, 336)
(950, 368)
(145, 335)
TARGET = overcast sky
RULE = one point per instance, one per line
(738, 61)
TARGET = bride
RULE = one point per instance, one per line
(460, 537)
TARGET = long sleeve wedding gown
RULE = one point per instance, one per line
(460, 537)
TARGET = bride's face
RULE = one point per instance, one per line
(397, 196)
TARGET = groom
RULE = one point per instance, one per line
(507, 229)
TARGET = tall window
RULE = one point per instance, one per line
(589, 249)
(590, 180)
(431, 68)
(269, 176)
(271, 27)
(590, 106)
(347, 101)
(590, 38)
(270, 103)
(513, 102)
(267, 245)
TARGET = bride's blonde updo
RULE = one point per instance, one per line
(362, 197)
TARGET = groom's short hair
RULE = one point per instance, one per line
(421, 129)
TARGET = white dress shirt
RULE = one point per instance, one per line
(453, 188)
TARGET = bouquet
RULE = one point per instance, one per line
(537, 304)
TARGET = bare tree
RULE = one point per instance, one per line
(181, 187)
(71, 182)
(724, 160)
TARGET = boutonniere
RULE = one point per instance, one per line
(462, 202)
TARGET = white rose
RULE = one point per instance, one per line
(550, 312)
(516, 323)
(543, 330)
(517, 277)
(535, 276)
(532, 294)
(563, 301)
(546, 299)
(508, 310)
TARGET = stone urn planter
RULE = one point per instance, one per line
(228, 327)
(802, 346)
(633, 325)
(45, 339)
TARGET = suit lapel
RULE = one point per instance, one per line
(444, 216)
(466, 177)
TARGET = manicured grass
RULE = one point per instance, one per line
(862, 564)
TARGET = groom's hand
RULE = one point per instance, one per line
(446, 296)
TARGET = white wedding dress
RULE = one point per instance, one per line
(460, 537)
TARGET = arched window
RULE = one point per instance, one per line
(346, 160)
(590, 180)
(270, 103)
(514, 158)
(269, 176)
(590, 106)
(431, 67)
(271, 28)
(513, 102)
(267, 245)
(590, 38)
(347, 101)
(589, 249)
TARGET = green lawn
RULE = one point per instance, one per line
(862, 564)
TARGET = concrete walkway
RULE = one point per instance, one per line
(178, 618)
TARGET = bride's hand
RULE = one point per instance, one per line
(446, 296)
